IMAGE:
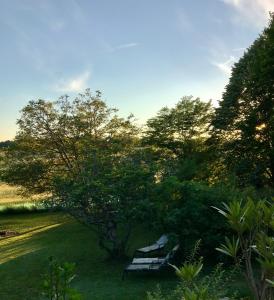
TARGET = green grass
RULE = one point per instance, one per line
(24, 258)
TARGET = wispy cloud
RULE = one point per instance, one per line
(241, 49)
(184, 21)
(255, 11)
(226, 66)
(122, 46)
(76, 84)
(57, 25)
(222, 56)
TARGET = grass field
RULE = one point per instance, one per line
(24, 259)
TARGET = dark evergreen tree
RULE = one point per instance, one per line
(244, 121)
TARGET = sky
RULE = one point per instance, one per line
(142, 54)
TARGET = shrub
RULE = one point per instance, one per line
(192, 285)
(252, 245)
(184, 208)
(22, 209)
(56, 284)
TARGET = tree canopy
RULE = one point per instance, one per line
(178, 127)
(178, 135)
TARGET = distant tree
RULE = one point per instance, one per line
(179, 135)
(87, 158)
(175, 128)
(244, 122)
(5, 144)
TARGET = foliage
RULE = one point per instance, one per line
(87, 158)
(22, 209)
(5, 144)
(194, 287)
(184, 208)
(244, 122)
(113, 199)
(156, 295)
(184, 166)
(56, 284)
(253, 224)
(57, 139)
(178, 128)
(178, 137)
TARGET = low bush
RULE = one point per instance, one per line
(57, 282)
(192, 285)
(27, 209)
(185, 209)
(252, 245)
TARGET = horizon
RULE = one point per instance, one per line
(142, 56)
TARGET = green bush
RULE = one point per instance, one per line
(21, 209)
(185, 208)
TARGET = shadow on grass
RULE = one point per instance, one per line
(24, 259)
(16, 246)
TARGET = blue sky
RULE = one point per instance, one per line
(142, 54)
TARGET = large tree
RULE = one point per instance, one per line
(244, 122)
(87, 159)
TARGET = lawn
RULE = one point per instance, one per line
(24, 259)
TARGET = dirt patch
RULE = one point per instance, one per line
(7, 233)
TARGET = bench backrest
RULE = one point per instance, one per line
(162, 240)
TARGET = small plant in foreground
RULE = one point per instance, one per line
(194, 287)
(56, 284)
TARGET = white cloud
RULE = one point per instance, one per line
(225, 66)
(223, 56)
(76, 84)
(255, 11)
(233, 2)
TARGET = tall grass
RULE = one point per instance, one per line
(11, 202)
(10, 195)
